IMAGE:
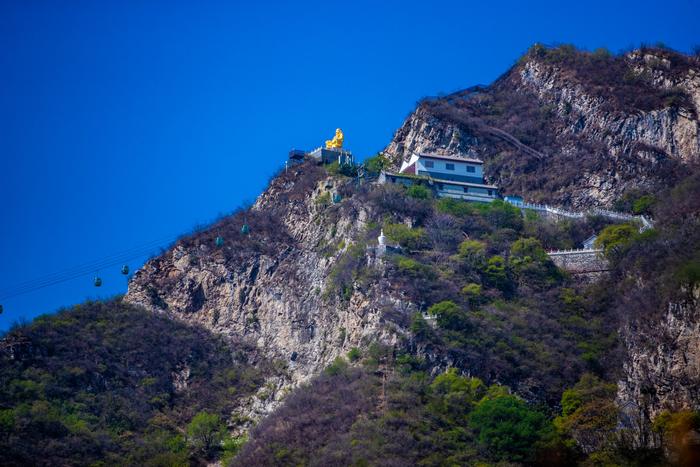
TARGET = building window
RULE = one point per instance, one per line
(450, 166)
(429, 164)
(466, 189)
(440, 186)
(490, 192)
(471, 169)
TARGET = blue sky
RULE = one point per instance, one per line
(126, 122)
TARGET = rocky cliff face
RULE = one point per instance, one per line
(546, 130)
(569, 127)
(662, 370)
(268, 287)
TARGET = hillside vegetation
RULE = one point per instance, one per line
(533, 355)
(111, 384)
(463, 345)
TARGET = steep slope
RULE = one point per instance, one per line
(658, 301)
(107, 383)
(305, 287)
(269, 286)
(464, 322)
(570, 127)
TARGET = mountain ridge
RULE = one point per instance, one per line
(465, 319)
(624, 122)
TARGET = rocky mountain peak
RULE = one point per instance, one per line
(570, 127)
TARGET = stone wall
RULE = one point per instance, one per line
(580, 261)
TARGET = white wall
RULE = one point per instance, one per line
(460, 167)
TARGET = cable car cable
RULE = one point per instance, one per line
(92, 264)
(82, 270)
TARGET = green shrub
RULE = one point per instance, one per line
(413, 239)
(374, 165)
(457, 208)
(339, 365)
(508, 428)
(472, 292)
(420, 327)
(676, 424)
(231, 447)
(643, 204)
(527, 250)
(7, 420)
(471, 250)
(689, 273)
(354, 354)
(324, 199)
(602, 53)
(418, 192)
(502, 215)
(411, 267)
(205, 432)
(450, 316)
(348, 170)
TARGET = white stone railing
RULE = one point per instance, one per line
(545, 208)
(581, 251)
(646, 223)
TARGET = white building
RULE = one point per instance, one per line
(449, 176)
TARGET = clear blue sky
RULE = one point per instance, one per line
(128, 121)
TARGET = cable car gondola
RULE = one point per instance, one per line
(97, 281)
(219, 241)
(337, 198)
(245, 230)
(125, 269)
(1, 309)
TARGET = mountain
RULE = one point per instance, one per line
(110, 384)
(462, 344)
(570, 127)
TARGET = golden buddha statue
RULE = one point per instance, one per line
(337, 141)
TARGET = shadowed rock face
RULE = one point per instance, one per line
(268, 287)
(662, 370)
(553, 130)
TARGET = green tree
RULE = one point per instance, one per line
(413, 268)
(472, 250)
(455, 207)
(205, 432)
(374, 165)
(450, 316)
(413, 239)
(472, 292)
(527, 250)
(508, 428)
(496, 273)
(588, 412)
(674, 428)
(455, 395)
(531, 263)
(503, 215)
(615, 238)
